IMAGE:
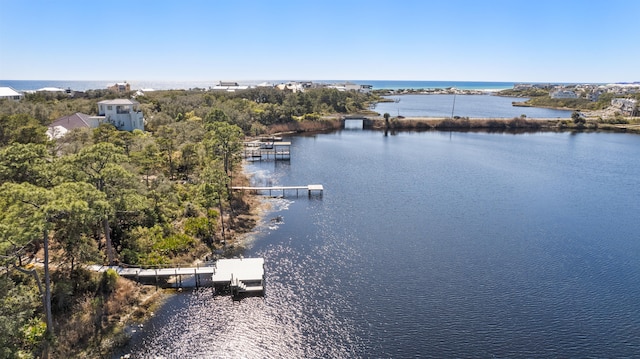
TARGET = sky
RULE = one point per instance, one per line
(241, 40)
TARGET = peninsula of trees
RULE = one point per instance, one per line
(142, 198)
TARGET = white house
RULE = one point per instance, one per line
(124, 114)
(350, 86)
(51, 89)
(626, 105)
(365, 88)
(292, 86)
(564, 94)
(229, 86)
(7, 93)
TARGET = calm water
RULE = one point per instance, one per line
(484, 106)
(433, 245)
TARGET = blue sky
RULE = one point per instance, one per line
(452, 40)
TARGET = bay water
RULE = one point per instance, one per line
(435, 245)
(473, 106)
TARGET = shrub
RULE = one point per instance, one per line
(109, 280)
(198, 227)
(174, 244)
(129, 256)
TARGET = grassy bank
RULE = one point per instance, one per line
(517, 124)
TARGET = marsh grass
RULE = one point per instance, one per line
(94, 324)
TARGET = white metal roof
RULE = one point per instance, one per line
(8, 91)
(119, 101)
(51, 89)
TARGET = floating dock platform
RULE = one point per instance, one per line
(240, 276)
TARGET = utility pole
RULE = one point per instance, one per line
(454, 105)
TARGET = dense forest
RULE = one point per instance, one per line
(143, 198)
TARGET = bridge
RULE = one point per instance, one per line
(356, 121)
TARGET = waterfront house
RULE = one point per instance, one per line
(350, 86)
(120, 87)
(626, 106)
(124, 114)
(7, 93)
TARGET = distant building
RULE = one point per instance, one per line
(350, 86)
(120, 87)
(291, 86)
(7, 93)
(61, 126)
(365, 88)
(229, 86)
(563, 94)
(52, 90)
(626, 106)
(594, 95)
(124, 114)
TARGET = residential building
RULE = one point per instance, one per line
(291, 86)
(7, 93)
(122, 113)
(563, 94)
(626, 106)
(350, 86)
(52, 90)
(365, 88)
(120, 87)
(61, 126)
(229, 86)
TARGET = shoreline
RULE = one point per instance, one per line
(517, 124)
(258, 210)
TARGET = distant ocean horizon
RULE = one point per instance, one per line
(32, 85)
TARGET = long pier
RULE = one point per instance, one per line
(201, 275)
(309, 188)
(237, 275)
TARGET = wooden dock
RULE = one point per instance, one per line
(200, 276)
(309, 188)
(267, 150)
(237, 276)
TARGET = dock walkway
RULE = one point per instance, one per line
(201, 275)
(309, 188)
(237, 275)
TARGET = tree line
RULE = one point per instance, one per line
(105, 196)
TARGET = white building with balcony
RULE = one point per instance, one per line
(124, 114)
